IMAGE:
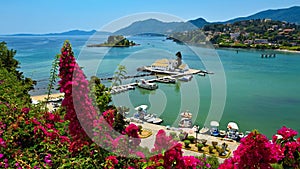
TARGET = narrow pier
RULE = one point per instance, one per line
(130, 86)
(128, 77)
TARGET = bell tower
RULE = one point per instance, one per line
(179, 59)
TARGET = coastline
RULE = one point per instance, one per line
(285, 50)
(253, 49)
(43, 97)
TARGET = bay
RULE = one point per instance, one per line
(261, 93)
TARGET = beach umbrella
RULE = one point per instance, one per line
(214, 124)
(143, 107)
(232, 125)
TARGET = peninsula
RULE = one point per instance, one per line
(115, 41)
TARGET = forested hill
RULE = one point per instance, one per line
(259, 33)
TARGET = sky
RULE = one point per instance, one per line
(49, 16)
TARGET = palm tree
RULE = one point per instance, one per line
(119, 75)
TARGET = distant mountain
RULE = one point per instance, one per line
(153, 26)
(75, 32)
(68, 33)
(200, 22)
(291, 15)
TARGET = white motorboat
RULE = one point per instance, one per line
(166, 79)
(148, 116)
(222, 133)
(154, 119)
(157, 120)
(185, 123)
(146, 85)
(141, 107)
(204, 130)
(130, 88)
(150, 120)
(201, 74)
(241, 135)
(186, 78)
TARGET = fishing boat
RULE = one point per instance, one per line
(146, 85)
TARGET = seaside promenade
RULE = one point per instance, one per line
(149, 141)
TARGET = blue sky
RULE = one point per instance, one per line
(45, 16)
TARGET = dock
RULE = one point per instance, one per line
(169, 74)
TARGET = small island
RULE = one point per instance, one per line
(115, 41)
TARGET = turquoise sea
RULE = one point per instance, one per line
(261, 94)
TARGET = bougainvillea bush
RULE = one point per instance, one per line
(256, 151)
(84, 134)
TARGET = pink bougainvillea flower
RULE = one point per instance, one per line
(287, 133)
(25, 110)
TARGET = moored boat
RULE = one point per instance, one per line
(185, 123)
(166, 79)
(204, 130)
(157, 120)
(186, 114)
(186, 78)
(146, 85)
(154, 119)
(222, 133)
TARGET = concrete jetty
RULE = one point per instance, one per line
(170, 74)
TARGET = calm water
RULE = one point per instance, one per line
(260, 93)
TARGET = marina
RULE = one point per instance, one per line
(142, 115)
(169, 70)
(187, 76)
